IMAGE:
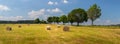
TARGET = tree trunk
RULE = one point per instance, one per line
(71, 23)
(54, 22)
(77, 23)
(92, 22)
(63, 23)
(57, 22)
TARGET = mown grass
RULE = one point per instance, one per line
(37, 34)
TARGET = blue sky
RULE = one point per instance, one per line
(31, 9)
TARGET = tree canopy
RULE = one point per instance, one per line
(37, 20)
(50, 19)
(78, 15)
(63, 19)
(94, 12)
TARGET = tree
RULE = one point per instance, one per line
(50, 19)
(63, 19)
(54, 19)
(70, 18)
(37, 20)
(94, 12)
(78, 15)
(57, 20)
(43, 22)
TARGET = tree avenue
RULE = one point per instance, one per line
(78, 16)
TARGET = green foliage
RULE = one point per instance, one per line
(53, 19)
(78, 15)
(37, 20)
(43, 22)
(94, 12)
(63, 19)
(71, 18)
(57, 20)
(50, 19)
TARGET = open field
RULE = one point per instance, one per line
(37, 34)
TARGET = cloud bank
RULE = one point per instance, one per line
(4, 8)
(44, 13)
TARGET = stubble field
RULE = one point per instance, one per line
(37, 34)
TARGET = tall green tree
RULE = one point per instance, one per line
(37, 20)
(63, 19)
(57, 20)
(94, 12)
(71, 18)
(78, 15)
(54, 19)
(50, 19)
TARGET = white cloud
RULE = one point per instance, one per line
(56, 10)
(12, 18)
(65, 1)
(36, 14)
(52, 3)
(56, 3)
(19, 17)
(4, 8)
(1, 17)
(25, 0)
(44, 13)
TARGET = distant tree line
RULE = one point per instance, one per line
(38, 21)
(78, 15)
